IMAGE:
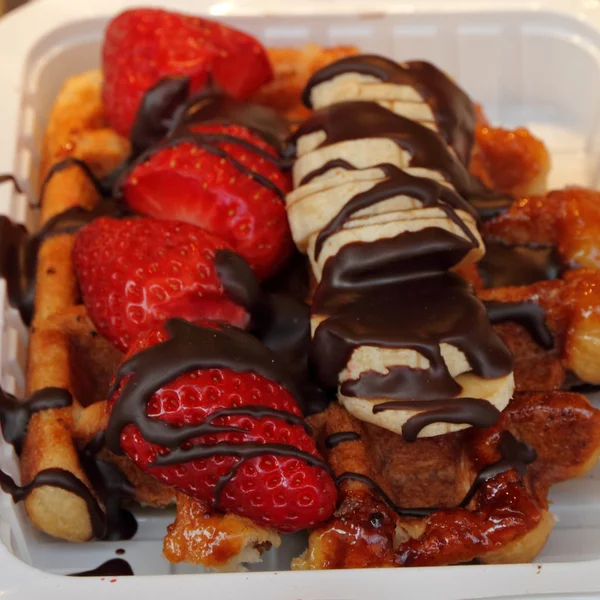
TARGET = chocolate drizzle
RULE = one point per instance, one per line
(417, 314)
(191, 347)
(115, 567)
(108, 483)
(468, 411)
(15, 414)
(65, 480)
(112, 488)
(399, 183)
(514, 455)
(8, 177)
(349, 121)
(335, 439)
(452, 109)
(528, 314)
(505, 265)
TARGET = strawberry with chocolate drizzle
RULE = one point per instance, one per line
(224, 178)
(135, 273)
(209, 410)
(143, 45)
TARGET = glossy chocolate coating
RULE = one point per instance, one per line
(115, 567)
(452, 109)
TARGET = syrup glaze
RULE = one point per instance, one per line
(452, 109)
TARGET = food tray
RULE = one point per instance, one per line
(530, 63)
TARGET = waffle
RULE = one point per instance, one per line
(507, 521)
(66, 352)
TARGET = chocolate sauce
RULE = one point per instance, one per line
(515, 455)
(330, 165)
(15, 414)
(335, 439)
(399, 183)
(191, 347)
(452, 109)
(115, 567)
(5, 177)
(362, 265)
(417, 314)
(505, 265)
(528, 314)
(64, 480)
(112, 488)
(348, 121)
(372, 485)
(19, 250)
(469, 411)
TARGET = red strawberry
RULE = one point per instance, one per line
(276, 491)
(189, 183)
(135, 273)
(141, 46)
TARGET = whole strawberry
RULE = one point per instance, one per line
(135, 273)
(225, 187)
(141, 46)
(256, 458)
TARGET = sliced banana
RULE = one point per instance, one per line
(373, 228)
(497, 392)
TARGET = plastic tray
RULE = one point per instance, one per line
(530, 63)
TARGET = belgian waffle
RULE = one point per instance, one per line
(430, 477)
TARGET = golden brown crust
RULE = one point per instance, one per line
(507, 521)
(222, 542)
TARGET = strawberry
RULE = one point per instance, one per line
(141, 46)
(189, 182)
(273, 490)
(135, 273)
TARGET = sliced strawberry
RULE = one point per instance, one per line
(283, 492)
(141, 46)
(194, 183)
(135, 273)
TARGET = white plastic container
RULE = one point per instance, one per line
(530, 63)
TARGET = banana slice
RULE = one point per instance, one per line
(497, 392)
(309, 213)
(377, 227)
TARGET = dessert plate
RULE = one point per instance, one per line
(535, 64)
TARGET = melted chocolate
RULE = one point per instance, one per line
(451, 107)
(188, 348)
(417, 314)
(505, 265)
(8, 177)
(280, 321)
(528, 314)
(515, 455)
(330, 165)
(112, 488)
(374, 265)
(64, 480)
(399, 183)
(115, 567)
(349, 121)
(109, 485)
(15, 414)
(469, 411)
(335, 439)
